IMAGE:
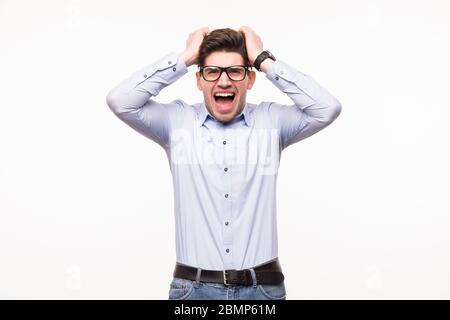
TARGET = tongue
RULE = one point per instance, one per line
(224, 104)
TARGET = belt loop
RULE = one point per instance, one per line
(253, 273)
(197, 278)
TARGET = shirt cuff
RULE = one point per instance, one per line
(283, 75)
(168, 69)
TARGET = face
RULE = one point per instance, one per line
(222, 109)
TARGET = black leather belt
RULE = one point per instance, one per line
(268, 273)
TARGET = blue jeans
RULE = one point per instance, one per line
(182, 289)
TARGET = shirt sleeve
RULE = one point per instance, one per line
(314, 107)
(131, 99)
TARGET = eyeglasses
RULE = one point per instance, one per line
(234, 73)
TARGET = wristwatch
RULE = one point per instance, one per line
(261, 57)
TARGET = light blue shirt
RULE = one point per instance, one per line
(224, 175)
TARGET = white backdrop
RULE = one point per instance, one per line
(86, 204)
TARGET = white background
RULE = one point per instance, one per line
(86, 205)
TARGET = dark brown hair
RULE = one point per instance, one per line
(227, 40)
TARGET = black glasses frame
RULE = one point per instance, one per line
(222, 69)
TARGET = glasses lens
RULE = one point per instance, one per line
(236, 73)
(211, 73)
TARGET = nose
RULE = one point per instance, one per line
(224, 81)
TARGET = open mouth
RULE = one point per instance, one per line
(224, 99)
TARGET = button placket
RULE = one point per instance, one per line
(227, 201)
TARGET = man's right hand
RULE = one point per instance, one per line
(190, 55)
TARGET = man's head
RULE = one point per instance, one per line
(224, 48)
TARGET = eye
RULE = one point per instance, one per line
(211, 71)
(236, 71)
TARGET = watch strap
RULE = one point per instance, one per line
(261, 57)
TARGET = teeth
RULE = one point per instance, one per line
(224, 95)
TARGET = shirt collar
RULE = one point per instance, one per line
(203, 113)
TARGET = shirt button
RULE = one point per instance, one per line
(276, 78)
(226, 195)
(225, 169)
(169, 62)
(145, 76)
(174, 69)
(228, 250)
(226, 223)
(224, 142)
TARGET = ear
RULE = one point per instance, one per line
(251, 79)
(199, 79)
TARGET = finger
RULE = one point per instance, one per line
(201, 30)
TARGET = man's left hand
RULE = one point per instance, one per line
(253, 43)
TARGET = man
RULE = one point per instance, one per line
(223, 156)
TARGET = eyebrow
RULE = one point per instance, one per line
(234, 65)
